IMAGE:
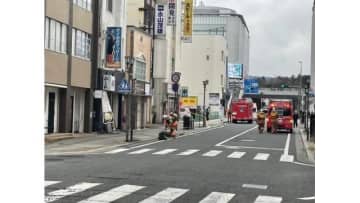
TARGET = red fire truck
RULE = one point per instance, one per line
(242, 110)
(284, 109)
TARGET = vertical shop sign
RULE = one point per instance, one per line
(171, 20)
(160, 17)
(113, 47)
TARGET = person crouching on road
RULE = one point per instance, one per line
(273, 117)
(173, 125)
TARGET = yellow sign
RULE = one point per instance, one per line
(188, 18)
(189, 102)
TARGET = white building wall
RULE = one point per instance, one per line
(195, 68)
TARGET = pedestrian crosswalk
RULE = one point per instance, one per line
(163, 195)
(202, 153)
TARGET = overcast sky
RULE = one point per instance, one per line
(280, 34)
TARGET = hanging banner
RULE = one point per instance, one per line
(160, 16)
(188, 14)
(113, 47)
(109, 82)
(106, 109)
(171, 19)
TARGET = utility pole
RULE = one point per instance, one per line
(300, 86)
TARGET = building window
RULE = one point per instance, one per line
(55, 35)
(207, 57)
(109, 5)
(85, 4)
(140, 70)
(222, 55)
(81, 42)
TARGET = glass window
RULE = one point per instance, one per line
(52, 34)
(78, 43)
(57, 36)
(46, 33)
(89, 5)
(63, 38)
(73, 42)
(88, 46)
(140, 70)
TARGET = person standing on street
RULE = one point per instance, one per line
(229, 115)
(295, 117)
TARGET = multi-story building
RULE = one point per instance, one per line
(210, 20)
(312, 60)
(68, 38)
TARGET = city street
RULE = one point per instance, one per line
(231, 163)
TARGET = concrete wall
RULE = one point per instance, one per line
(55, 67)
(82, 19)
(134, 16)
(195, 68)
(58, 9)
(80, 72)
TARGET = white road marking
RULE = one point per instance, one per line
(141, 151)
(240, 134)
(307, 198)
(285, 157)
(217, 197)
(58, 194)
(247, 147)
(236, 155)
(247, 140)
(117, 151)
(188, 152)
(165, 151)
(50, 182)
(113, 194)
(268, 199)
(261, 156)
(212, 153)
(165, 196)
(261, 187)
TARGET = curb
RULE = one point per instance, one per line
(309, 154)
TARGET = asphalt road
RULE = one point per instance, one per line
(229, 164)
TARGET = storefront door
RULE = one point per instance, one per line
(51, 112)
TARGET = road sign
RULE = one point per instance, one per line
(175, 77)
(175, 87)
(190, 102)
(251, 86)
(123, 86)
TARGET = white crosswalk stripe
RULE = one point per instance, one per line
(165, 151)
(141, 151)
(261, 156)
(236, 155)
(188, 152)
(212, 153)
(117, 151)
(58, 194)
(50, 182)
(113, 194)
(217, 197)
(268, 199)
(165, 196)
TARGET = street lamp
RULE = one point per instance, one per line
(300, 86)
(129, 60)
(205, 82)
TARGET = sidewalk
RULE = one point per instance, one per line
(309, 144)
(87, 143)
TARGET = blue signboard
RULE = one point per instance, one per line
(235, 70)
(113, 47)
(251, 86)
(123, 86)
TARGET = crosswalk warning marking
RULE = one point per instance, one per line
(268, 199)
(50, 182)
(141, 151)
(254, 186)
(217, 197)
(165, 151)
(212, 153)
(236, 155)
(188, 152)
(261, 156)
(165, 196)
(113, 194)
(58, 194)
(117, 151)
